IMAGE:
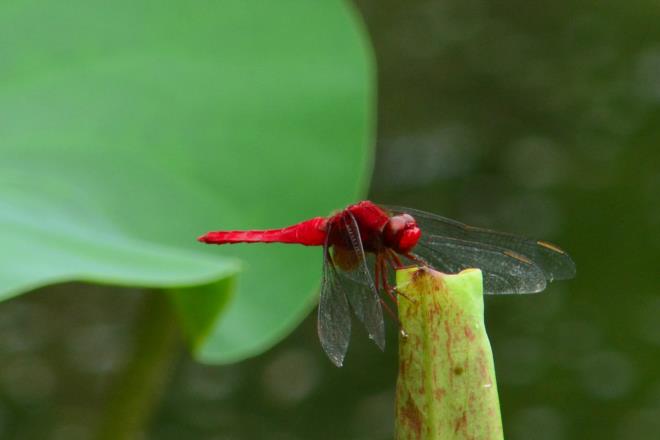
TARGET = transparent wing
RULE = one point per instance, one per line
(503, 271)
(334, 317)
(359, 285)
(510, 263)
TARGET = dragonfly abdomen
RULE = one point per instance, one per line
(308, 233)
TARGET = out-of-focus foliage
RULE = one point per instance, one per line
(542, 121)
(127, 129)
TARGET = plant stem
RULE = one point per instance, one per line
(138, 388)
(446, 388)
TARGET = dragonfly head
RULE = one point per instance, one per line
(401, 233)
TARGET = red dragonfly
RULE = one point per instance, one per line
(364, 242)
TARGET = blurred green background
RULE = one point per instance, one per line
(539, 119)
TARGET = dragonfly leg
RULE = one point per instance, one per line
(388, 309)
(390, 312)
(386, 284)
(381, 269)
(414, 258)
(392, 290)
(395, 259)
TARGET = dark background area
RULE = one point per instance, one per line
(541, 119)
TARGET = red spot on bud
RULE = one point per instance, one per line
(412, 417)
(469, 333)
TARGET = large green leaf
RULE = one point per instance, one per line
(129, 128)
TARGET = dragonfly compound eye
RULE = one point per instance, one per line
(401, 233)
(408, 239)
